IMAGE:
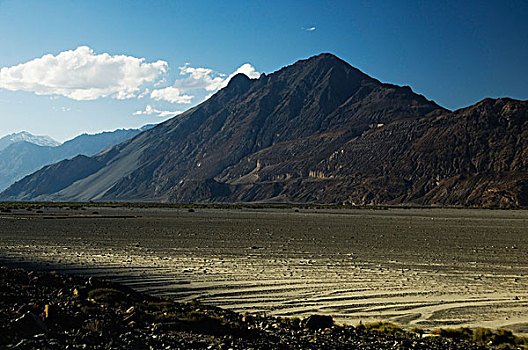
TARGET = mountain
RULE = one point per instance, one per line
(24, 157)
(27, 137)
(318, 131)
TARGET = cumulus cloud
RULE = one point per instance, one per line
(81, 74)
(246, 69)
(199, 78)
(149, 110)
(170, 94)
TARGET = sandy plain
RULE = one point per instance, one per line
(415, 267)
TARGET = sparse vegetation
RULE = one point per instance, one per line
(418, 331)
(386, 328)
(107, 296)
(94, 325)
(501, 337)
(454, 333)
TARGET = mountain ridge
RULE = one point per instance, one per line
(42, 140)
(22, 158)
(317, 131)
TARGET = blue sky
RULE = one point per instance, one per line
(121, 64)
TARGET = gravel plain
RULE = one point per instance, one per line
(414, 267)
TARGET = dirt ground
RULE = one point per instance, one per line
(415, 267)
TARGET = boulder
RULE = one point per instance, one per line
(315, 322)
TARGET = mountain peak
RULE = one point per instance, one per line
(28, 137)
(326, 56)
(238, 84)
(326, 59)
(240, 79)
(326, 67)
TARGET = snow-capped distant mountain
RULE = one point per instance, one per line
(26, 136)
(23, 157)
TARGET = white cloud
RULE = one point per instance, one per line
(170, 94)
(246, 69)
(81, 74)
(144, 93)
(161, 82)
(199, 78)
(309, 29)
(149, 110)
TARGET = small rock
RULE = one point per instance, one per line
(29, 324)
(315, 322)
(248, 319)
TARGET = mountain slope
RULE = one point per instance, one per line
(476, 156)
(25, 136)
(22, 158)
(312, 98)
(316, 131)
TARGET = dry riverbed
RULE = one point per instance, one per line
(415, 267)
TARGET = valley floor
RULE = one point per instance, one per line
(425, 268)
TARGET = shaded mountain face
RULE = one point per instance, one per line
(23, 157)
(475, 156)
(316, 131)
(25, 136)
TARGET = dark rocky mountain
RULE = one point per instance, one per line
(317, 131)
(476, 156)
(21, 158)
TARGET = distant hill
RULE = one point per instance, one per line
(318, 131)
(27, 137)
(23, 157)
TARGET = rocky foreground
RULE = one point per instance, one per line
(43, 310)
